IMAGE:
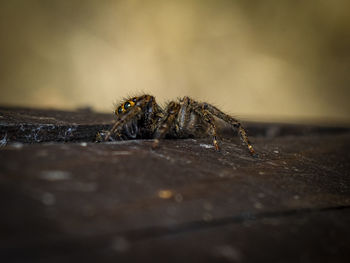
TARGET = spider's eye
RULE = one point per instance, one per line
(120, 110)
(127, 105)
(134, 99)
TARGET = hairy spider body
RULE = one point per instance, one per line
(142, 118)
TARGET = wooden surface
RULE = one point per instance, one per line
(64, 198)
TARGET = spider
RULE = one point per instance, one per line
(141, 117)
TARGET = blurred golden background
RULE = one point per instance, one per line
(259, 60)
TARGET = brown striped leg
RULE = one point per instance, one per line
(166, 122)
(233, 122)
(207, 116)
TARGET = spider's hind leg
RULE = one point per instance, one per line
(197, 108)
(208, 118)
(233, 122)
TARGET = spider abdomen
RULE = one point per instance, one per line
(190, 125)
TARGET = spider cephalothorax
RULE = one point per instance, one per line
(141, 117)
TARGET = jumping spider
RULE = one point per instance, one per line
(142, 117)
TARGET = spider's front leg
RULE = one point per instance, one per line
(166, 122)
(122, 120)
(135, 112)
(101, 136)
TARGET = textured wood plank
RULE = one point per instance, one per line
(123, 201)
(33, 125)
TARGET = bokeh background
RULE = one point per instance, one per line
(259, 60)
